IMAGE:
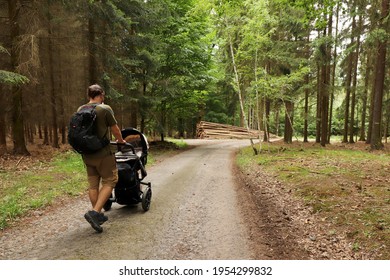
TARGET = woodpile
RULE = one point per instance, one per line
(223, 131)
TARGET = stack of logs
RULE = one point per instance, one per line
(223, 131)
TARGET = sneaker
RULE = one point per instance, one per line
(102, 218)
(92, 217)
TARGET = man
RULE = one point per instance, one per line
(101, 165)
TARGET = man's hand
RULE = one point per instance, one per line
(117, 133)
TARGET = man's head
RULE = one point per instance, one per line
(95, 91)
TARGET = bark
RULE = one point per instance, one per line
(376, 137)
(348, 86)
(3, 127)
(92, 68)
(17, 93)
(288, 124)
(305, 132)
(53, 94)
(354, 82)
(332, 85)
(267, 114)
(364, 99)
(324, 88)
(318, 109)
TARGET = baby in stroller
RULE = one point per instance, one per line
(131, 159)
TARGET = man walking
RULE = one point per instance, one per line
(101, 165)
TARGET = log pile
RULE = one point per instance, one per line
(223, 131)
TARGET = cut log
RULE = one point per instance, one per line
(224, 131)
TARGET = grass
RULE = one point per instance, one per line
(180, 143)
(40, 185)
(350, 187)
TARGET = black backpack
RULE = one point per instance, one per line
(82, 131)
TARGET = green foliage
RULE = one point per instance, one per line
(11, 78)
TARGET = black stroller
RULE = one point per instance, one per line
(131, 159)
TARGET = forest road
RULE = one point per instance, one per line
(194, 214)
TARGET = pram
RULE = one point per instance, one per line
(131, 159)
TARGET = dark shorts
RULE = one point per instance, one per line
(101, 168)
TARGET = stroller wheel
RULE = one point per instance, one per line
(107, 205)
(146, 198)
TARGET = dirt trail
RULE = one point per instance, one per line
(193, 216)
(202, 208)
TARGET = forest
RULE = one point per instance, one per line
(294, 68)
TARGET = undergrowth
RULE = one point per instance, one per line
(40, 185)
(348, 187)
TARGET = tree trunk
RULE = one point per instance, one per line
(332, 85)
(53, 94)
(364, 99)
(267, 114)
(306, 122)
(92, 68)
(354, 82)
(348, 87)
(240, 95)
(325, 79)
(17, 94)
(318, 111)
(288, 122)
(3, 127)
(379, 74)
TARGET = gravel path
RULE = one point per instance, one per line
(193, 215)
(202, 208)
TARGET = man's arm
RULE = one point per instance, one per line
(117, 133)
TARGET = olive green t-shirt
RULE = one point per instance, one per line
(104, 120)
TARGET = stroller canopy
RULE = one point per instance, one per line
(136, 138)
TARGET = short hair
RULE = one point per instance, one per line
(94, 90)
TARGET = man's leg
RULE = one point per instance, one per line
(103, 195)
(94, 218)
(93, 190)
(109, 174)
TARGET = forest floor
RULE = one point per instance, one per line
(331, 202)
(280, 224)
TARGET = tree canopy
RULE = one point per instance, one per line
(293, 68)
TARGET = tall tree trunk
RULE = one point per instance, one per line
(3, 127)
(307, 92)
(325, 81)
(354, 80)
(267, 114)
(240, 95)
(92, 50)
(348, 85)
(306, 122)
(53, 94)
(379, 74)
(365, 98)
(17, 94)
(318, 107)
(288, 122)
(163, 120)
(332, 85)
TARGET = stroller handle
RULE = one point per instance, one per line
(120, 145)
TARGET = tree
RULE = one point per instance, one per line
(7, 79)
(14, 15)
(379, 74)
